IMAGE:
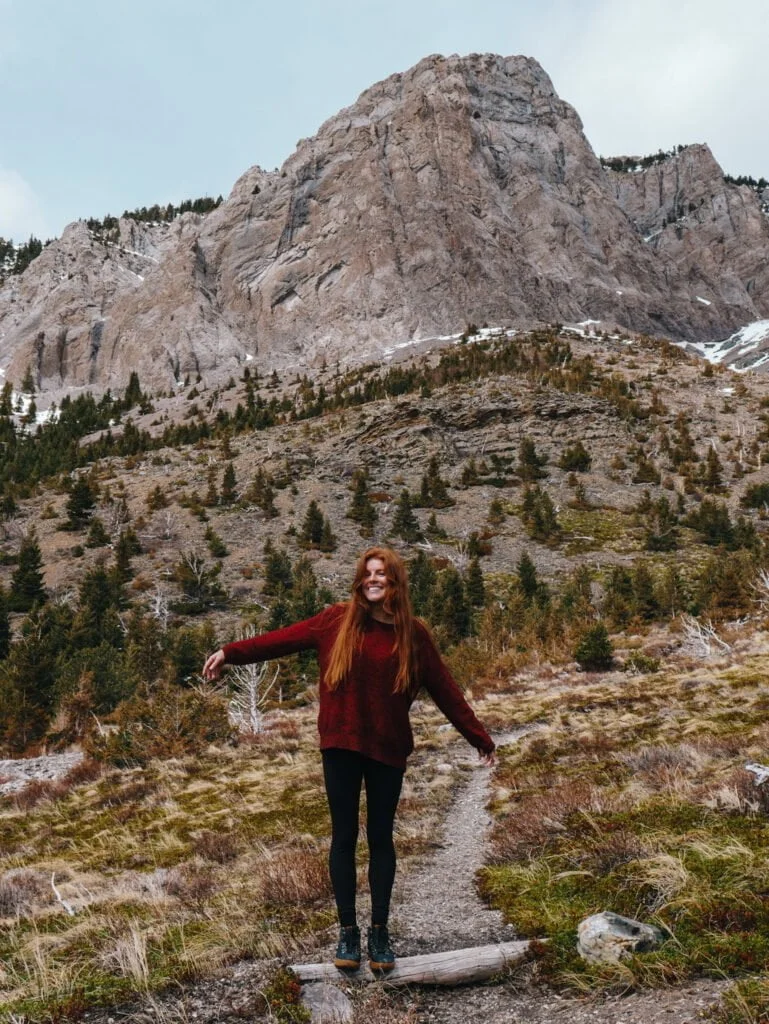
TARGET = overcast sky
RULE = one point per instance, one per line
(112, 105)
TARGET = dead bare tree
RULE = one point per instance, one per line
(159, 606)
(250, 693)
(701, 637)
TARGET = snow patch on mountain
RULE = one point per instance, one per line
(746, 349)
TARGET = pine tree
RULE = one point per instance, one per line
(421, 582)
(156, 499)
(527, 577)
(361, 508)
(432, 491)
(496, 515)
(538, 514)
(27, 581)
(530, 464)
(97, 534)
(618, 597)
(228, 494)
(127, 546)
(81, 502)
(211, 499)
(262, 493)
(5, 625)
(575, 458)
(311, 532)
(278, 574)
(433, 529)
(712, 476)
(449, 607)
(644, 598)
(474, 587)
(327, 538)
(594, 651)
(405, 523)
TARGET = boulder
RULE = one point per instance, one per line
(326, 1003)
(607, 937)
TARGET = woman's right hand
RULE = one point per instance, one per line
(214, 665)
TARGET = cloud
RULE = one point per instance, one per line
(21, 213)
(648, 76)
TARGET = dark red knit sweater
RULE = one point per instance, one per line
(363, 713)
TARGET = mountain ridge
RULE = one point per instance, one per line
(460, 190)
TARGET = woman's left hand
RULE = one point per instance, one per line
(488, 759)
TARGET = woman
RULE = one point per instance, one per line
(374, 657)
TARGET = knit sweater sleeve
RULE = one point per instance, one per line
(300, 636)
(440, 684)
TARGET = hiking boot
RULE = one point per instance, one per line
(348, 948)
(380, 954)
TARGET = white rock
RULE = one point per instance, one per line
(608, 937)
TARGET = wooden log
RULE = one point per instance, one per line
(454, 967)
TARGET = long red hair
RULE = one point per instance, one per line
(397, 603)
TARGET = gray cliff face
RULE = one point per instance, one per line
(462, 190)
(715, 234)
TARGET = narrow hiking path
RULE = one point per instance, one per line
(438, 908)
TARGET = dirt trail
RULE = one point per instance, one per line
(438, 908)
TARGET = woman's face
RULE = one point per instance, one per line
(375, 581)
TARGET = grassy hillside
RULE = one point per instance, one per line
(548, 491)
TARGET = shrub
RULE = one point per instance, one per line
(575, 458)
(637, 663)
(594, 651)
(163, 721)
(295, 877)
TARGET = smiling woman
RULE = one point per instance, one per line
(374, 658)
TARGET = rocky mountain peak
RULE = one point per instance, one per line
(460, 190)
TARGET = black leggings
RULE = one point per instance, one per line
(343, 771)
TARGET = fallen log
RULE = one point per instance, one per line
(454, 967)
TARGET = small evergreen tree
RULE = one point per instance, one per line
(311, 533)
(530, 464)
(5, 625)
(262, 493)
(81, 502)
(216, 545)
(227, 494)
(421, 582)
(538, 515)
(27, 581)
(474, 587)
(156, 499)
(278, 572)
(575, 458)
(527, 577)
(97, 534)
(712, 475)
(496, 515)
(594, 651)
(449, 607)
(405, 523)
(327, 538)
(361, 508)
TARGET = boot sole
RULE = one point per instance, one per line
(376, 966)
(349, 965)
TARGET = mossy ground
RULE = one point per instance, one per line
(633, 797)
(177, 869)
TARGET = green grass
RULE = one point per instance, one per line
(634, 799)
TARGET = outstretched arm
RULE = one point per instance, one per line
(301, 636)
(443, 689)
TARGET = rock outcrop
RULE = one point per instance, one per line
(461, 190)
